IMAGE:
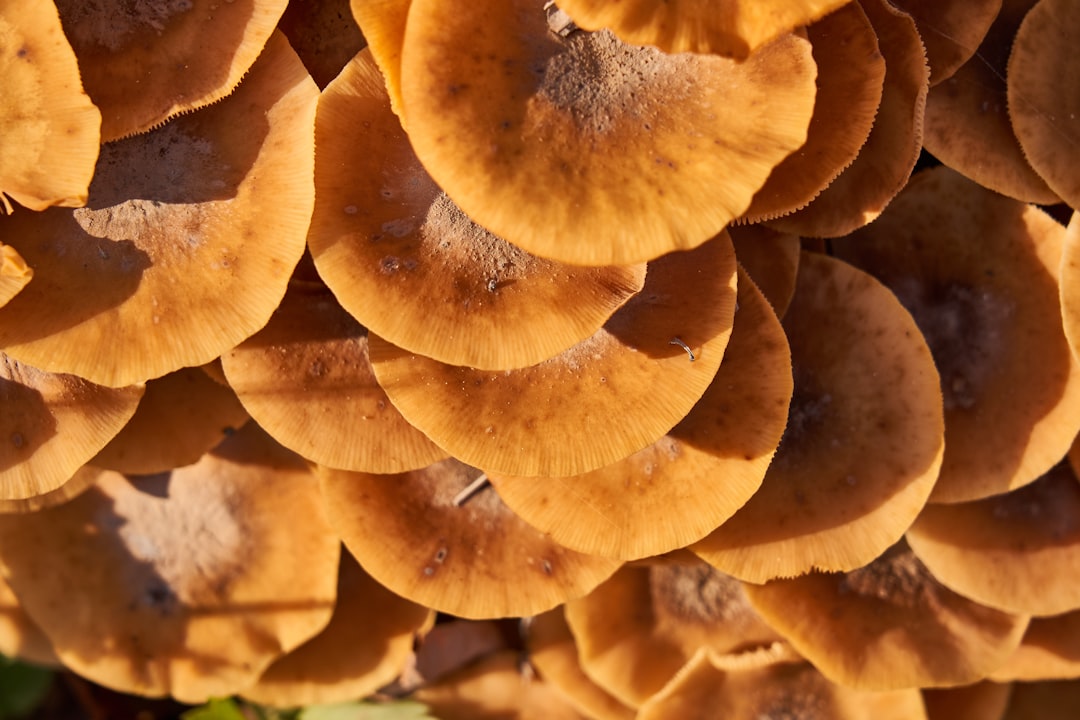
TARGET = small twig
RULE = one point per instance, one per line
(684, 346)
(471, 489)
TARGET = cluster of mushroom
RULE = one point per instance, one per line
(628, 319)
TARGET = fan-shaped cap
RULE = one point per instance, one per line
(627, 385)
(408, 264)
(473, 559)
(306, 379)
(20, 638)
(883, 165)
(951, 30)
(143, 63)
(588, 150)
(14, 273)
(684, 485)
(735, 28)
(186, 246)
(383, 25)
(888, 625)
(49, 129)
(979, 272)
(864, 439)
(1069, 284)
(1043, 109)
(188, 583)
(1050, 650)
(771, 259)
(180, 417)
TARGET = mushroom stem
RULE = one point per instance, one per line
(471, 489)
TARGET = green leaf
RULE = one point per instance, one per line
(22, 688)
(400, 710)
(216, 710)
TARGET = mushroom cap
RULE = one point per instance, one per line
(588, 150)
(1050, 650)
(979, 272)
(983, 700)
(862, 191)
(14, 273)
(1069, 284)
(407, 263)
(185, 248)
(476, 560)
(626, 385)
(688, 482)
(771, 259)
(888, 625)
(306, 378)
(951, 30)
(20, 638)
(49, 129)
(1043, 109)
(188, 583)
(864, 440)
(383, 25)
(734, 28)
(143, 63)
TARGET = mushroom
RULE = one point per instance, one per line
(771, 259)
(951, 30)
(14, 273)
(983, 700)
(1050, 650)
(324, 35)
(383, 25)
(20, 638)
(1052, 700)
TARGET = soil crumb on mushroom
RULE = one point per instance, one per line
(897, 577)
(111, 23)
(697, 594)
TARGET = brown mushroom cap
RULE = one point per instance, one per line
(475, 559)
(864, 440)
(1050, 650)
(981, 701)
(383, 25)
(188, 583)
(49, 129)
(1043, 109)
(688, 482)
(588, 150)
(1069, 287)
(735, 28)
(306, 379)
(626, 386)
(324, 35)
(979, 272)
(771, 259)
(407, 263)
(185, 247)
(143, 63)
(951, 30)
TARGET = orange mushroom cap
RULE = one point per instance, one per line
(20, 638)
(1050, 650)
(951, 30)
(14, 273)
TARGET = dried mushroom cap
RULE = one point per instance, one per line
(145, 62)
(51, 425)
(180, 417)
(709, 688)
(1053, 700)
(324, 35)
(585, 149)
(20, 638)
(979, 272)
(627, 385)
(684, 485)
(888, 625)
(383, 25)
(981, 701)
(1069, 284)
(771, 259)
(951, 30)
(862, 191)
(365, 646)
(14, 273)
(967, 117)
(734, 28)
(413, 268)
(1050, 650)
(473, 559)
(553, 653)
(1043, 109)
(638, 628)
(1016, 552)
(864, 439)
(49, 129)
(185, 247)
(187, 583)
(306, 379)
(850, 78)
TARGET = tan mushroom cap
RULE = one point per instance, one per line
(1052, 700)
(143, 63)
(1069, 287)
(474, 560)
(14, 273)
(383, 25)
(1042, 107)
(744, 687)
(49, 129)
(307, 380)
(850, 79)
(588, 150)
(180, 417)
(734, 28)
(688, 482)
(603, 399)
(186, 245)
(51, 425)
(324, 35)
(1050, 650)
(407, 263)
(365, 646)
(967, 117)
(771, 258)
(862, 191)
(20, 638)
(553, 653)
(864, 440)
(980, 701)
(888, 625)
(979, 272)
(186, 584)
(951, 30)
(637, 629)
(83, 479)
(1018, 552)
